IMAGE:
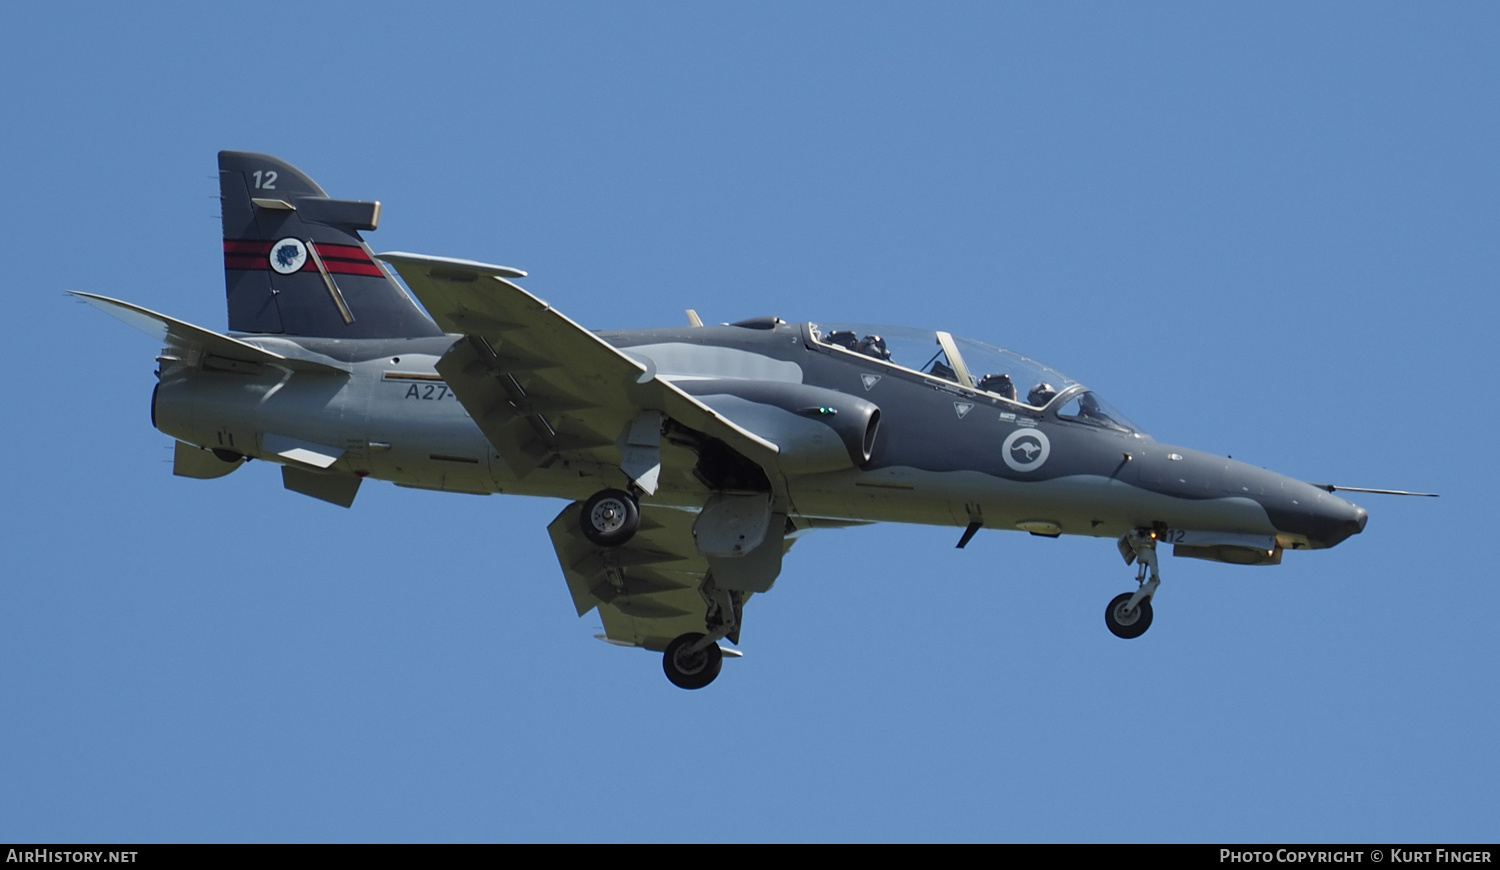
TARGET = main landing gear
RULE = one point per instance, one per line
(610, 518)
(692, 660)
(1129, 613)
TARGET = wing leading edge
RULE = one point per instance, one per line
(542, 387)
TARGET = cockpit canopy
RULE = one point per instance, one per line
(976, 366)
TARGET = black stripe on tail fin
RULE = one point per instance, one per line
(294, 262)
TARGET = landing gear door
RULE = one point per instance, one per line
(743, 538)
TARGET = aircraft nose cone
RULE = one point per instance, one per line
(1324, 518)
(1351, 522)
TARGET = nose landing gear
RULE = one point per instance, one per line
(1129, 613)
(1125, 621)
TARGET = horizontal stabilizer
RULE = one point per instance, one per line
(176, 333)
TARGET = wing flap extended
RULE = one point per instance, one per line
(646, 591)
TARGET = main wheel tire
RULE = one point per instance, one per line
(1133, 624)
(610, 518)
(691, 670)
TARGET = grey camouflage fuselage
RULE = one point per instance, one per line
(396, 420)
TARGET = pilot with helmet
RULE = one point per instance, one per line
(1000, 385)
(1040, 395)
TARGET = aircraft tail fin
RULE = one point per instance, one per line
(294, 262)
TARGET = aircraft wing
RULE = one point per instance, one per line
(541, 387)
(646, 590)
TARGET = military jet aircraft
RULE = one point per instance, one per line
(691, 457)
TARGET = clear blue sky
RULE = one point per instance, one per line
(1266, 230)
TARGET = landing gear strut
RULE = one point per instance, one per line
(1129, 613)
(692, 660)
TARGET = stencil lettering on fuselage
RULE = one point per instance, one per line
(1026, 449)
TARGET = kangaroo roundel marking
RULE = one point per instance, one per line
(1026, 449)
(288, 255)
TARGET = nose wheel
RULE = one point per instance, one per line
(1126, 621)
(1129, 613)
